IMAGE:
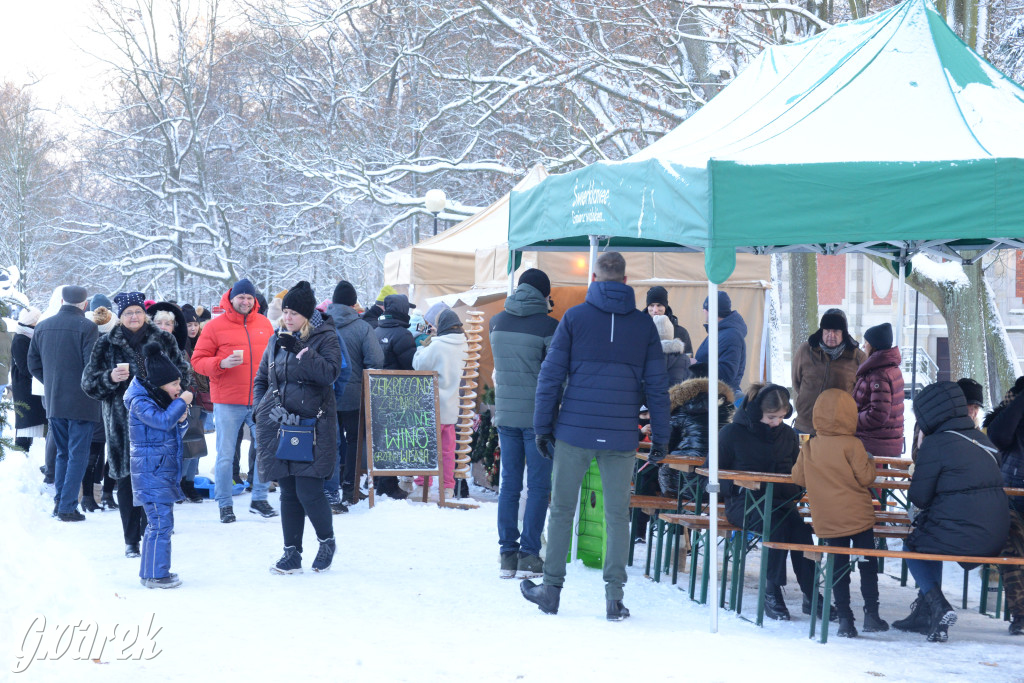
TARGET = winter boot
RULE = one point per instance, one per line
(89, 503)
(189, 489)
(388, 486)
(263, 508)
(872, 622)
(941, 615)
(805, 607)
(847, 629)
(544, 596)
(73, 516)
(529, 567)
(290, 562)
(918, 620)
(775, 605)
(509, 564)
(107, 501)
(615, 610)
(337, 506)
(322, 561)
(170, 581)
(132, 550)
(1017, 625)
(227, 515)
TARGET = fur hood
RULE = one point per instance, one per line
(673, 346)
(691, 388)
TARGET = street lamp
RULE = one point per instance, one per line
(435, 201)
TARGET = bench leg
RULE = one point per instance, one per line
(726, 556)
(650, 544)
(903, 573)
(710, 546)
(966, 574)
(826, 609)
(694, 552)
(675, 530)
(818, 571)
(660, 547)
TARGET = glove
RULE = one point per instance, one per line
(292, 420)
(288, 342)
(545, 445)
(278, 414)
(658, 453)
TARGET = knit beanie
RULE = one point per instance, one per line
(98, 300)
(189, 313)
(434, 311)
(29, 317)
(345, 294)
(724, 304)
(385, 292)
(537, 279)
(159, 368)
(101, 316)
(879, 336)
(300, 299)
(125, 299)
(658, 295)
(73, 294)
(243, 286)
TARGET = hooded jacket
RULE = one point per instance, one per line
(156, 443)
(520, 337)
(689, 423)
(306, 387)
(111, 349)
(732, 350)
(608, 356)
(814, 372)
(361, 351)
(32, 413)
(445, 354)
(749, 445)
(393, 335)
(879, 396)
(957, 485)
(836, 470)
(180, 328)
(1005, 427)
(220, 337)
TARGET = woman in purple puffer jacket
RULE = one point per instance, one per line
(879, 394)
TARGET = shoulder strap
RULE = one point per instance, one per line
(990, 451)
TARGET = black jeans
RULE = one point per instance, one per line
(868, 572)
(94, 468)
(790, 528)
(23, 442)
(133, 519)
(303, 497)
(348, 423)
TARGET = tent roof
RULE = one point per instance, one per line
(886, 134)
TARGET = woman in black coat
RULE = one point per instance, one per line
(29, 416)
(958, 491)
(105, 382)
(305, 359)
(689, 422)
(757, 440)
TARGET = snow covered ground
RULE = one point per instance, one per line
(413, 596)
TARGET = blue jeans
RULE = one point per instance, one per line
(229, 419)
(190, 469)
(73, 439)
(519, 450)
(927, 573)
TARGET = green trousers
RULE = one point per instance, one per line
(570, 464)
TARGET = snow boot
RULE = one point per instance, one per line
(89, 503)
(169, 581)
(509, 564)
(805, 607)
(227, 515)
(775, 605)
(322, 561)
(290, 562)
(1017, 625)
(189, 489)
(615, 610)
(847, 629)
(529, 567)
(132, 550)
(262, 508)
(918, 620)
(337, 506)
(107, 501)
(941, 615)
(73, 516)
(544, 596)
(872, 622)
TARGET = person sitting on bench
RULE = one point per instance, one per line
(958, 491)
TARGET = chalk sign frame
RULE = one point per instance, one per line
(366, 427)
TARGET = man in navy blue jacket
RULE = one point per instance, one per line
(605, 361)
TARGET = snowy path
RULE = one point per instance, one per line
(413, 596)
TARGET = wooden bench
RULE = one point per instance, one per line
(699, 527)
(824, 576)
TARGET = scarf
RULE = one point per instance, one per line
(26, 330)
(135, 339)
(833, 353)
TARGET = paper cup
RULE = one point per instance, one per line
(240, 353)
(123, 366)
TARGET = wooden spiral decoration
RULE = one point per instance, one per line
(467, 393)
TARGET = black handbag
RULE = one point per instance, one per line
(195, 435)
(295, 442)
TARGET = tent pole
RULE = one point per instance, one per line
(913, 368)
(713, 451)
(593, 258)
(901, 300)
(512, 274)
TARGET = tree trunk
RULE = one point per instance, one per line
(803, 298)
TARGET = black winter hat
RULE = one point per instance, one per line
(699, 370)
(159, 368)
(345, 294)
(189, 313)
(657, 295)
(537, 279)
(724, 304)
(300, 299)
(73, 294)
(879, 336)
(973, 391)
(834, 319)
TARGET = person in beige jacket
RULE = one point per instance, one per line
(837, 472)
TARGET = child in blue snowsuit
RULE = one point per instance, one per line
(157, 421)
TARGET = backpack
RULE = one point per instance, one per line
(346, 371)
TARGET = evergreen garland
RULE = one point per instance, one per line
(485, 449)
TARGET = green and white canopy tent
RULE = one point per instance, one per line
(886, 135)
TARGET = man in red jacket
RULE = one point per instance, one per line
(229, 352)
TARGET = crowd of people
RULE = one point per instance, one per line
(122, 388)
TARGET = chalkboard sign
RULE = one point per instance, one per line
(403, 423)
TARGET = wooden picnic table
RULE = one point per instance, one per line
(896, 463)
(683, 463)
